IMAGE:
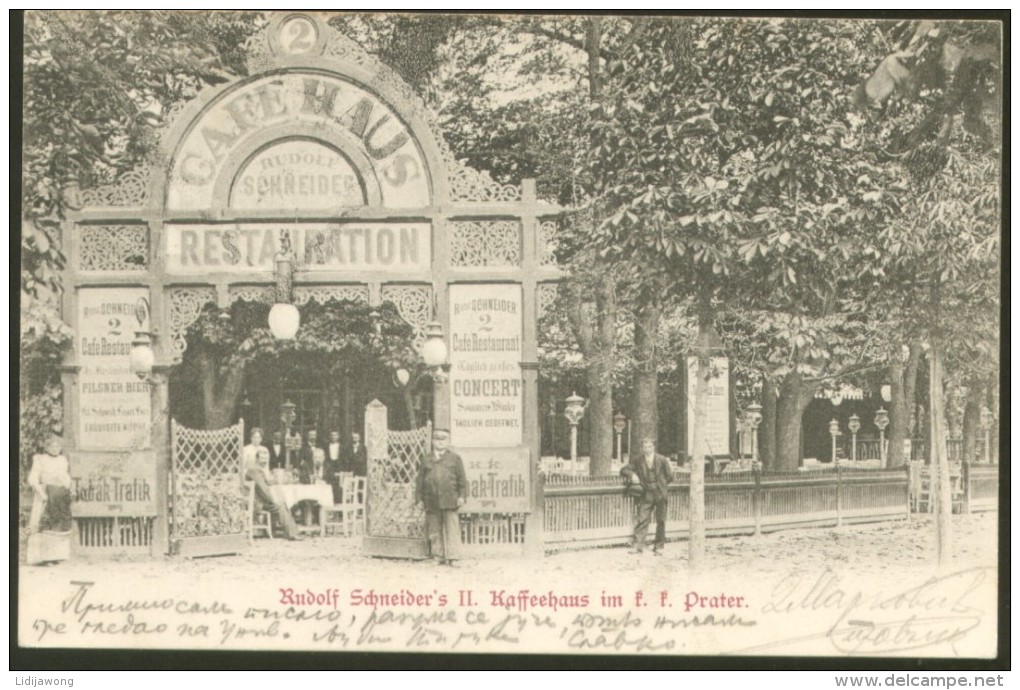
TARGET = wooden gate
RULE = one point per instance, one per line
(210, 506)
(395, 525)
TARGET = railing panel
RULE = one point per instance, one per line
(588, 511)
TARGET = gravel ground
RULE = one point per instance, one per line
(903, 545)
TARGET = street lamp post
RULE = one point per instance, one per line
(854, 425)
(619, 424)
(835, 432)
(882, 421)
(986, 426)
(574, 411)
(754, 419)
(287, 415)
(284, 318)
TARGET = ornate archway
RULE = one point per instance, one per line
(323, 141)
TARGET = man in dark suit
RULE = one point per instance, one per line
(334, 463)
(442, 489)
(356, 459)
(277, 452)
(652, 472)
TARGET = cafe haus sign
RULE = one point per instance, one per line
(299, 139)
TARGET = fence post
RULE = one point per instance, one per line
(910, 489)
(756, 497)
(965, 479)
(839, 494)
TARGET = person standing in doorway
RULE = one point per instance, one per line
(442, 489)
(652, 472)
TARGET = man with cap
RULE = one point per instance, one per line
(442, 489)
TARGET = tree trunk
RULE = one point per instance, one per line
(767, 429)
(405, 394)
(940, 460)
(596, 338)
(972, 421)
(700, 445)
(794, 396)
(645, 405)
(903, 381)
(220, 391)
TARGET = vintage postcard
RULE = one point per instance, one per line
(511, 334)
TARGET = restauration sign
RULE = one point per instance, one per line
(486, 385)
(246, 247)
(113, 405)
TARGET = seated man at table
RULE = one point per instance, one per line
(258, 473)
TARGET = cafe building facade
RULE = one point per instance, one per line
(319, 177)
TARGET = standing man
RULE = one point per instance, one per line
(357, 457)
(277, 452)
(652, 472)
(442, 489)
(334, 463)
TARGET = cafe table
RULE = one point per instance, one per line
(292, 494)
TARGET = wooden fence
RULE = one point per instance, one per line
(592, 511)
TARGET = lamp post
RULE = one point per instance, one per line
(287, 415)
(574, 411)
(834, 431)
(986, 426)
(854, 425)
(619, 424)
(882, 421)
(284, 318)
(434, 352)
(754, 419)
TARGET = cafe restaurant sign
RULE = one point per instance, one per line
(113, 404)
(247, 247)
(486, 386)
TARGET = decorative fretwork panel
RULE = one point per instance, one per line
(547, 242)
(186, 306)
(130, 189)
(113, 247)
(547, 294)
(414, 304)
(485, 243)
(207, 496)
(303, 294)
(265, 294)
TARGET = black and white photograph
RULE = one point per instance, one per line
(359, 335)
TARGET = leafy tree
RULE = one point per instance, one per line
(96, 86)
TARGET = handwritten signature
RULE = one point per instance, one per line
(939, 611)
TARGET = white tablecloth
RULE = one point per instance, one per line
(292, 494)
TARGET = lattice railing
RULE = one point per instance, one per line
(392, 511)
(207, 495)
